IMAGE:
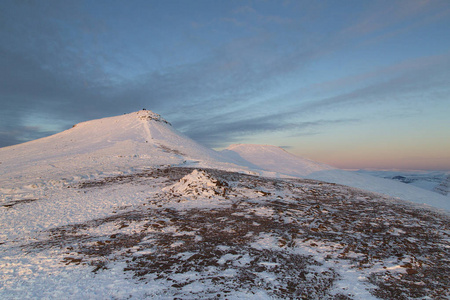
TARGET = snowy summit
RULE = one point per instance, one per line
(151, 116)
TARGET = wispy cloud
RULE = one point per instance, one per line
(379, 15)
(220, 75)
(250, 13)
(226, 130)
(415, 81)
(69, 73)
(19, 134)
(379, 21)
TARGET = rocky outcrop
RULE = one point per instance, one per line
(444, 187)
(151, 116)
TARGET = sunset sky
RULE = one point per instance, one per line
(355, 84)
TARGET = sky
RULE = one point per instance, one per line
(354, 84)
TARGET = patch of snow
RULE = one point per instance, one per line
(196, 184)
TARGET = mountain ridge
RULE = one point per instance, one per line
(143, 139)
(273, 158)
(114, 144)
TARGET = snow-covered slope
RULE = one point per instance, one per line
(275, 159)
(105, 146)
(183, 233)
(271, 158)
(384, 186)
(444, 187)
(428, 180)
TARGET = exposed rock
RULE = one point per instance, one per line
(444, 187)
(151, 116)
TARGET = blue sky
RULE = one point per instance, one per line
(356, 84)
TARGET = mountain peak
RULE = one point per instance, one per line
(151, 116)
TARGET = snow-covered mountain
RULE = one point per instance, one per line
(137, 138)
(105, 146)
(275, 159)
(128, 208)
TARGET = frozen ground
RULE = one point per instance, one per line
(209, 234)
